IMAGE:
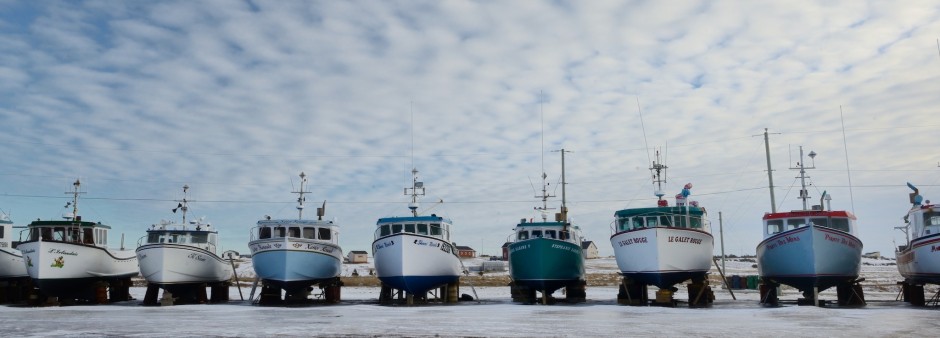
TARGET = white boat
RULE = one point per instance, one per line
(663, 246)
(11, 259)
(294, 254)
(66, 259)
(810, 249)
(414, 253)
(178, 256)
(919, 258)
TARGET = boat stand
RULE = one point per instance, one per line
(768, 293)
(522, 293)
(851, 294)
(576, 292)
(15, 290)
(700, 294)
(664, 297)
(632, 293)
(810, 297)
(913, 294)
(446, 294)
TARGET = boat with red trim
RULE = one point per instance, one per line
(919, 258)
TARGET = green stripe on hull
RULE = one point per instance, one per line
(542, 259)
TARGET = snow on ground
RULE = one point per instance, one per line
(495, 315)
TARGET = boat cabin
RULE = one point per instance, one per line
(551, 230)
(924, 221)
(304, 229)
(6, 232)
(430, 226)
(675, 217)
(201, 237)
(89, 233)
(775, 223)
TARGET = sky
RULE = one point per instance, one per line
(236, 98)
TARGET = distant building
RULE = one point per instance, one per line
(506, 251)
(873, 254)
(358, 257)
(466, 252)
(590, 249)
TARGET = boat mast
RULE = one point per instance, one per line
(804, 194)
(415, 188)
(659, 172)
(770, 173)
(300, 193)
(544, 208)
(185, 206)
(564, 205)
(75, 192)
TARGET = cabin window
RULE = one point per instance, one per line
(294, 232)
(153, 238)
(74, 235)
(58, 234)
(794, 223)
(310, 233)
(200, 237)
(422, 229)
(536, 233)
(279, 231)
(820, 221)
(563, 235)
(104, 237)
(410, 228)
(931, 219)
(695, 222)
(384, 230)
(841, 224)
(212, 239)
(523, 235)
(623, 224)
(1, 232)
(550, 234)
(665, 221)
(638, 222)
(652, 221)
(436, 230)
(88, 236)
(396, 228)
(324, 234)
(774, 226)
(264, 232)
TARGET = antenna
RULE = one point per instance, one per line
(643, 126)
(300, 193)
(75, 192)
(804, 194)
(183, 205)
(848, 171)
(417, 188)
(544, 208)
(564, 206)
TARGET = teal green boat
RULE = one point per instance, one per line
(546, 256)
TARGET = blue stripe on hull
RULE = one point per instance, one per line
(291, 270)
(664, 280)
(417, 284)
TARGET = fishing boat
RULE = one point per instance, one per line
(663, 246)
(918, 259)
(811, 249)
(181, 259)
(545, 255)
(11, 259)
(70, 259)
(414, 254)
(294, 254)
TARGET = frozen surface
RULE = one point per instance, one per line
(359, 315)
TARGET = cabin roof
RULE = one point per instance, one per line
(295, 222)
(809, 213)
(63, 223)
(542, 224)
(432, 218)
(695, 211)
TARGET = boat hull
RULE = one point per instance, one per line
(545, 264)
(920, 262)
(414, 263)
(168, 264)
(663, 256)
(63, 269)
(810, 257)
(295, 263)
(12, 264)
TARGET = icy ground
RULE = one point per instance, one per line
(495, 315)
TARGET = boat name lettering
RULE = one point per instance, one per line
(28, 251)
(630, 241)
(197, 257)
(422, 242)
(519, 248)
(782, 241)
(143, 256)
(326, 249)
(683, 239)
(384, 244)
(259, 247)
(60, 252)
(4, 245)
(563, 247)
(934, 248)
(841, 240)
